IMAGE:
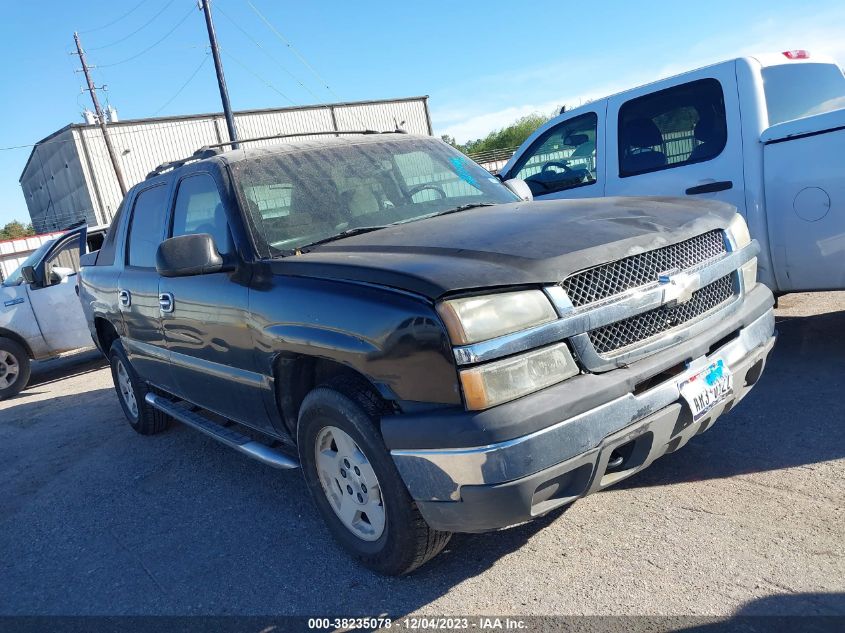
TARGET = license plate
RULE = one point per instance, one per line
(706, 389)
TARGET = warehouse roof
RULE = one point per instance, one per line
(190, 117)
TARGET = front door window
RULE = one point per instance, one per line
(564, 157)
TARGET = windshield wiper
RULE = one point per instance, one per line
(357, 230)
(462, 207)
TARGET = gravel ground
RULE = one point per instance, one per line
(747, 518)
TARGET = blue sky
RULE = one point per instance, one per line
(483, 63)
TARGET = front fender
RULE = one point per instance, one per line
(394, 339)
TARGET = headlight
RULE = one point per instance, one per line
(493, 383)
(473, 319)
(738, 230)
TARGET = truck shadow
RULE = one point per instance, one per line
(49, 371)
(789, 419)
(780, 613)
(176, 523)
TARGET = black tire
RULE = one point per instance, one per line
(145, 419)
(14, 368)
(407, 540)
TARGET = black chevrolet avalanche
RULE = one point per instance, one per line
(435, 352)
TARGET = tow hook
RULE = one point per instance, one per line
(615, 461)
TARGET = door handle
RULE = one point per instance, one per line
(125, 298)
(710, 187)
(165, 302)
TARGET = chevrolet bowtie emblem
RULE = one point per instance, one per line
(678, 287)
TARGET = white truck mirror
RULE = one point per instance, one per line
(58, 274)
(520, 188)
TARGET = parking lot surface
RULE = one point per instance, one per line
(747, 518)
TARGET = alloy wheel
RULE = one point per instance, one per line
(9, 369)
(124, 385)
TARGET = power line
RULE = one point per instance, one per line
(287, 43)
(116, 20)
(140, 28)
(184, 85)
(268, 54)
(153, 45)
(256, 75)
(112, 132)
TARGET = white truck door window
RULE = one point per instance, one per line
(56, 306)
(565, 160)
(682, 140)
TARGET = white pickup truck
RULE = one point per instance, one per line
(40, 313)
(765, 133)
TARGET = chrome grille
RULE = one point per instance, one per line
(616, 277)
(643, 326)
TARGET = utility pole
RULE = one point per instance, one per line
(100, 117)
(221, 80)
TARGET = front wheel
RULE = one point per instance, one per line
(355, 484)
(14, 368)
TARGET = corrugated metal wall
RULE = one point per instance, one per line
(54, 185)
(57, 195)
(140, 147)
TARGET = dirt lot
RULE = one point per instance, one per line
(748, 518)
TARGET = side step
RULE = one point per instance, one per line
(227, 436)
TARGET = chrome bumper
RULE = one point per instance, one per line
(438, 474)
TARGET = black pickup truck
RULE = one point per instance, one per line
(435, 353)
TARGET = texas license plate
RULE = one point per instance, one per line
(708, 388)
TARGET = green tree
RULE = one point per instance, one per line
(15, 229)
(508, 137)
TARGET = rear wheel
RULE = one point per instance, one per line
(131, 391)
(355, 484)
(14, 368)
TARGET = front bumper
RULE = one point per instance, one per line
(496, 484)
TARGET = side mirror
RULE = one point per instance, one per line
(520, 188)
(187, 255)
(28, 274)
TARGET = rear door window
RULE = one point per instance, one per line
(799, 90)
(678, 126)
(564, 157)
(147, 227)
(107, 250)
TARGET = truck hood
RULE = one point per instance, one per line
(517, 244)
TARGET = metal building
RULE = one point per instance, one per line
(69, 177)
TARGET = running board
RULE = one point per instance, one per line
(229, 437)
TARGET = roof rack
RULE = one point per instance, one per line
(280, 136)
(207, 151)
(173, 164)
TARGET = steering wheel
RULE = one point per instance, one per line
(417, 188)
(553, 163)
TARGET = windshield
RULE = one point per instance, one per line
(15, 279)
(296, 198)
(799, 90)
